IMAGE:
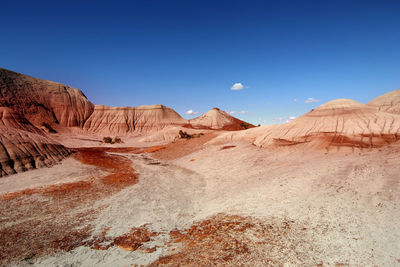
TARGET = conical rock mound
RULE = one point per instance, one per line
(389, 102)
(219, 120)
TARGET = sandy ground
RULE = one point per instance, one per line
(69, 170)
(77, 138)
(235, 204)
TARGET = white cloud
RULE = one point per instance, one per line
(238, 112)
(237, 87)
(294, 99)
(279, 119)
(283, 119)
(191, 112)
(311, 100)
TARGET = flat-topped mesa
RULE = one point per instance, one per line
(23, 146)
(217, 119)
(126, 120)
(389, 102)
(42, 101)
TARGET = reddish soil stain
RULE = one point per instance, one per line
(154, 149)
(226, 147)
(229, 240)
(121, 172)
(130, 241)
(183, 147)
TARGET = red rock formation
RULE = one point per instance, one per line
(127, 120)
(23, 146)
(217, 119)
(43, 102)
(389, 102)
(338, 123)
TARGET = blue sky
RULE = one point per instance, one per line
(188, 54)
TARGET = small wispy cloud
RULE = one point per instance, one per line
(238, 86)
(238, 112)
(311, 100)
(191, 112)
(278, 119)
(294, 99)
(283, 119)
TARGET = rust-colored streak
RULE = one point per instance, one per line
(154, 149)
(226, 147)
(121, 172)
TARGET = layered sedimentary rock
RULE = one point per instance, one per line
(23, 146)
(389, 102)
(219, 120)
(338, 123)
(127, 120)
(43, 102)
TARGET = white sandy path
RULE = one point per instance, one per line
(349, 204)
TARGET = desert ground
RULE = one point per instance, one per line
(217, 204)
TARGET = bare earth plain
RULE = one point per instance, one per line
(215, 204)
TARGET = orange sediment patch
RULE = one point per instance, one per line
(183, 147)
(121, 172)
(131, 241)
(153, 149)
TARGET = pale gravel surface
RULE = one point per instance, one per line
(69, 170)
(348, 203)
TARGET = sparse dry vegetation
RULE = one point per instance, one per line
(117, 140)
(244, 125)
(109, 140)
(185, 135)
